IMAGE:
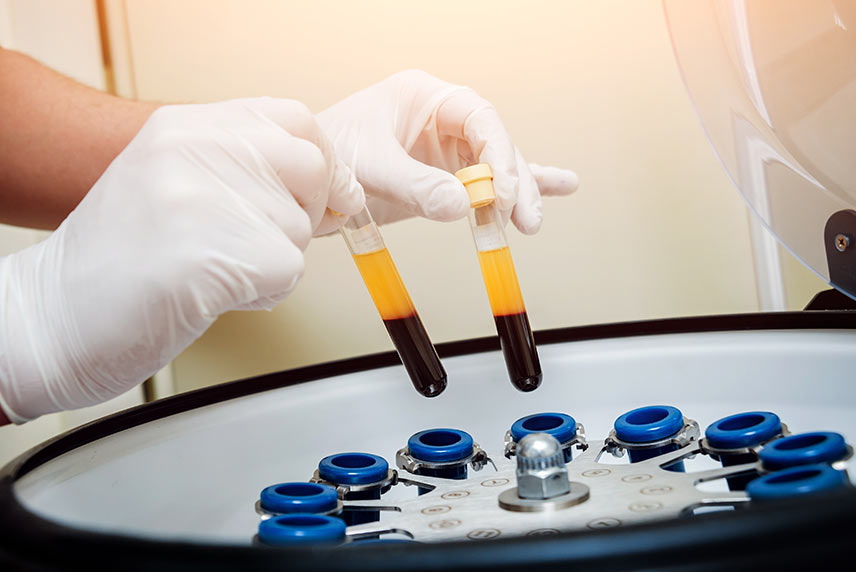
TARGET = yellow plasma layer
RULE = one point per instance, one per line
(500, 279)
(385, 285)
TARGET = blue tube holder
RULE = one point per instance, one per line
(300, 529)
(440, 445)
(743, 430)
(803, 449)
(353, 468)
(649, 424)
(561, 426)
(287, 498)
(797, 481)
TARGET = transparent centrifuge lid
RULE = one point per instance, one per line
(774, 85)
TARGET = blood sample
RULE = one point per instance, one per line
(396, 309)
(500, 279)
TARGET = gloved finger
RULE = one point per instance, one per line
(468, 116)
(265, 303)
(300, 168)
(297, 119)
(265, 170)
(292, 222)
(385, 212)
(554, 181)
(295, 223)
(346, 195)
(283, 266)
(329, 223)
(349, 201)
(342, 192)
(290, 115)
(526, 215)
(420, 189)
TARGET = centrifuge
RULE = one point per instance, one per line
(697, 442)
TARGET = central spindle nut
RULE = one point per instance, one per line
(541, 472)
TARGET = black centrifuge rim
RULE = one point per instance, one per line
(794, 533)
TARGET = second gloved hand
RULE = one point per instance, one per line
(405, 136)
(207, 210)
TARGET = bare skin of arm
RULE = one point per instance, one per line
(56, 138)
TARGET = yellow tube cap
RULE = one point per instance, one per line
(478, 179)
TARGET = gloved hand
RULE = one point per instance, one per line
(207, 209)
(405, 136)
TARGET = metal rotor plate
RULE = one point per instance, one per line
(619, 494)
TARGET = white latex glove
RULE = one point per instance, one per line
(405, 136)
(207, 210)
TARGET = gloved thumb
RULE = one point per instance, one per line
(421, 189)
(346, 197)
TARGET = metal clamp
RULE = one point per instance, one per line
(266, 514)
(841, 464)
(579, 440)
(708, 449)
(688, 433)
(478, 459)
(343, 490)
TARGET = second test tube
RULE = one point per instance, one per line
(500, 279)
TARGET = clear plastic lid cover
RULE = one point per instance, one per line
(774, 85)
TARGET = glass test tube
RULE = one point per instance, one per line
(500, 279)
(408, 335)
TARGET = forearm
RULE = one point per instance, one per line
(56, 138)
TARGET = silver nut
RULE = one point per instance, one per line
(541, 472)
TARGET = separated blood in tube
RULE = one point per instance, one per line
(415, 349)
(500, 279)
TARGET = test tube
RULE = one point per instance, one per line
(500, 279)
(408, 335)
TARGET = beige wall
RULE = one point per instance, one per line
(800, 283)
(655, 229)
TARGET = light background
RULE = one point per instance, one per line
(655, 230)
